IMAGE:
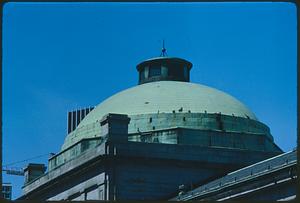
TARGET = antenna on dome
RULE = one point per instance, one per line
(163, 50)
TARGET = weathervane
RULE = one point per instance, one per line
(163, 50)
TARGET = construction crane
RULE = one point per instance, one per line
(18, 170)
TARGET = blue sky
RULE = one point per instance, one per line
(61, 56)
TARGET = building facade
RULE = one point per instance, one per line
(272, 179)
(6, 191)
(145, 142)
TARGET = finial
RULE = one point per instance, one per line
(163, 50)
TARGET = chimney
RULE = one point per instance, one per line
(33, 171)
(115, 127)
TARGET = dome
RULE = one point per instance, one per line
(165, 88)
(166, 97)
(165, 107)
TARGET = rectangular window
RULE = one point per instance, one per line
(155, 71)
(69, 122)
(176, 72)
(164, 71)
(142, 75)
(186, 73)
(82, 114)
(78, 117)
(146, 70)
(73, 120)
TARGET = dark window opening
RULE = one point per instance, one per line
(82, 114)
(154, 71)
(176, 72)
(183, 118)
(73, 120)
(142, 75)
(150, 120)
(78, 117)
(186, 73)
(69, 122)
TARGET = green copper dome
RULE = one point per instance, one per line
(166, 97)
(166, 108)
(164, 88)
(159, 97)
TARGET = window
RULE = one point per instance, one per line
(82, 114)
(69, 122)
(164, 71)
(142, 75)
(78, 117)
(6, 196)
(176, 71)
(73, 120)
(155, 71)
(185, 73)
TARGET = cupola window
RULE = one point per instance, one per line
(154, 71)
(164, 69)
(176, 72)
(142, 75)
(186, 73)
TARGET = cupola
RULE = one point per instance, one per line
(164, 69)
